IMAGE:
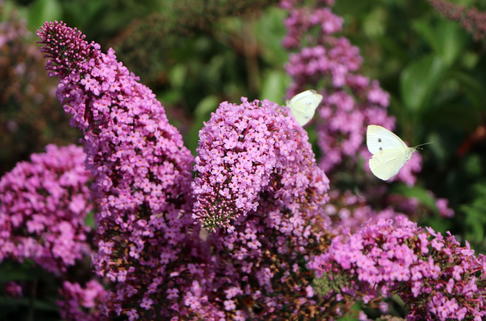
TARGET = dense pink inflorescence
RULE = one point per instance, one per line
(248, 151)
(351, 101)
(142, 173)
(79, 303)
(43, 204)
(256, 173)
(436, 277)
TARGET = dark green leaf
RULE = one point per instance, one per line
(419, 80)
(275, 84)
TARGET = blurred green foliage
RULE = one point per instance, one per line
(30, 116)
(195, 54)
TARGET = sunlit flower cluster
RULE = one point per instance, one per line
(140, 167)
(436, 277)
(255, 164)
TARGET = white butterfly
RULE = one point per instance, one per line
(389, 152)
(303, 105)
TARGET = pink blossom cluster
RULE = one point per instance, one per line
(43, 204)
(436, 277)
(81, 303)
(254, 158)
(141, 170)
(351, 101)
(251, 153)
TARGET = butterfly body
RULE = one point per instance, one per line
(389, 152)
(304, 105)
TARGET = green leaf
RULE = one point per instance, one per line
(352, 314)
(269, 31)
(447, 39)
(41, 11)
(202, 113)
(275, 83)
(451, 40)
(437, 146)
(374, 23)
(472, 166)
(205, 107)
(472, 88)
(26, 271)
(89, 220)
(177, 76)
(419, 80)
(475, 221)
(38, 304)
(6, 10)
(474, 213)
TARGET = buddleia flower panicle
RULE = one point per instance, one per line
(141, 171)
(259, 187)
(251, 153)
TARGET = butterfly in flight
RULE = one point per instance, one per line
(389, 152)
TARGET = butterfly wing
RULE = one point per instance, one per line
(304, 105)
(381, 139)
(387, 163)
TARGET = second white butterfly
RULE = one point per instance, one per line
(304, 105)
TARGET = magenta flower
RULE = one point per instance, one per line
(266, 251)
(436, 277)
(141, 170)
(257, 177)
(252, 153)
(43, 204)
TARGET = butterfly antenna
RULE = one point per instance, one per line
(418, 146)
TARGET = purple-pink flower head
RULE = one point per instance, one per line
(141, 170)
(436, 277)
(252, 153)
(258, 179)
(43, 203)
